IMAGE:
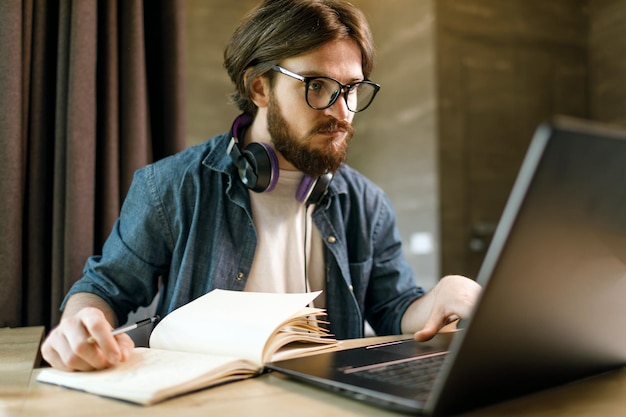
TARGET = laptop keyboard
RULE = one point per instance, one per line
(418, 373)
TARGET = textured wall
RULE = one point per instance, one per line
(209, 26)
(395, 139)
(607, 44)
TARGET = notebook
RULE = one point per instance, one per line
(554, 284)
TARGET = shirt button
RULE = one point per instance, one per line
(240, 276)
(331, 239)
(351, 288)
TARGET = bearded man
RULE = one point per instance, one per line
(269, 206)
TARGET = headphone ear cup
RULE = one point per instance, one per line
(311, 191)
(263, 163)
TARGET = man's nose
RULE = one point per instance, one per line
(339, 109)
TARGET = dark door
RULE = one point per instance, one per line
(494, 89)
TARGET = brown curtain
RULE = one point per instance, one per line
(90, 90)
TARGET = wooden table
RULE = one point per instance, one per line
(19, 352)
(277, 396)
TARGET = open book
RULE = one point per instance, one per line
(222, 336)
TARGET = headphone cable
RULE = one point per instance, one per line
(306, 229)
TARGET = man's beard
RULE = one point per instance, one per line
(302, 154)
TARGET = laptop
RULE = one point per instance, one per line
(552, 308)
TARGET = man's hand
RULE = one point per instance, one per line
(453, 298)
(67, 346)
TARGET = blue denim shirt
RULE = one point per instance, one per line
(187, 220)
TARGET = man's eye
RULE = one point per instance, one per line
(316, 85)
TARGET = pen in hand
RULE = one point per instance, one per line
(129, 327)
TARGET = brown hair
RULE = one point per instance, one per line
(279, 29)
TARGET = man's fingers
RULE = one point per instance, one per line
(430, 329)
(436, 322)
(126, 345)
(60, 354)
(84, 342)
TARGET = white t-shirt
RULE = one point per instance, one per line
(284, 224)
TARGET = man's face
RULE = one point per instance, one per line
(313, 141)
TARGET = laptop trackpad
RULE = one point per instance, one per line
(391, 351)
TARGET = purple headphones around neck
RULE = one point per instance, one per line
(257, 166)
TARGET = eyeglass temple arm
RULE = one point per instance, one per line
(289, 73)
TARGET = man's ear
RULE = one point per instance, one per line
(259, 90)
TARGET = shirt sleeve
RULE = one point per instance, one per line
(136, 253)
(392, 283)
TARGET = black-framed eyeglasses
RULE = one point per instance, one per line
(322, 92)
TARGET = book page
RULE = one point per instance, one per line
(302, 334)
(232, 323)
(297, 349)
(152, 375)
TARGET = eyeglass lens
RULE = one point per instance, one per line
(323, 92)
